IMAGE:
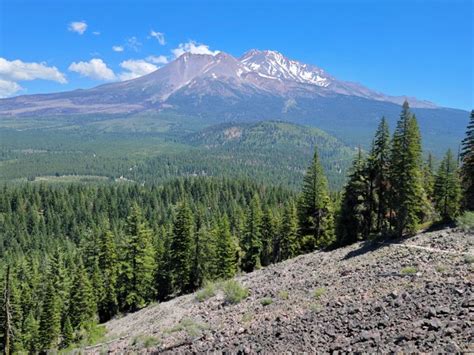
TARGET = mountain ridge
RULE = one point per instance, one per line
(257, 72)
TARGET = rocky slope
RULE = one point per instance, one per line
(404, 295)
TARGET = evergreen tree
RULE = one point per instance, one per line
(7, 328)
(181, 245)
(226, 265)
(269, 234)
(67, 334)
(379, 164)
(50, 319)
(82, 308)
(467, 167)
(429, 177)
(137, 274)
(351, 225)
(289, 246)
(163, 271)
(315, 208)
(447, 189)
(408, 198)
(108, 265)
(31, 334)
(252, 240)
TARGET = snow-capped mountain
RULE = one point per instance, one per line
(192, 81)
(272, 64)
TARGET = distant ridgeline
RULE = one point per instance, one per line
(76, 255)
(270, 152)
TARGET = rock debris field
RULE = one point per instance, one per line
(410, 295)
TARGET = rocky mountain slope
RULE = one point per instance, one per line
(413, 295)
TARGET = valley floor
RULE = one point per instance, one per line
(407, 295)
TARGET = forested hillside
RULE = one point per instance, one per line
(76, 255)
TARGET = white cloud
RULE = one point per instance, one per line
(17, 70)
(8, 88)
(136, 68)
(160, 59)
(192, 47)
(160, 37)
(117, 48)
(133, 44)
(78, 27)
(94, 69)
(96, 33)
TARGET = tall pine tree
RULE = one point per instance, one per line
(289, 246)
(181, 248)
(467, 167)
(137, 274)
(408, 198)
(226, 264)
(351, 224)
(447, 188)
(252, 240)
(315, 208)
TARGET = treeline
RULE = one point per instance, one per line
(392, 191)
(74, 256)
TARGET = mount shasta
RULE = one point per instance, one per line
(260, 85)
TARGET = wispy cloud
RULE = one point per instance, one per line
(159, 36)
(159, 59)
(133, 43)
(96, 33)
(117, 48)
(95, 69)
(78, 26)
(194, 48)
(136, 68)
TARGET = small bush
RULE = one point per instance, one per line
(234, 292)
(283, 294)
(319, 292)
(247, 317)
(469, 259)
(409, 270)
(190, 326)
(440, 268)
(466, 222)
(315, 307)
(145, 341)
(266, 301)
(208, 291)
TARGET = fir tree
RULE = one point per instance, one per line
(137, 274)
(429, 177)
(379, 164)
(315, 207)
(269, 234)
(225, 251)
(467, 167)
(289, 246)
(447, 189)
(31, 334)
(163, 271)
(351, 225)
(108, 264)
(67, 334)
(408, 198)
(181, 245)
(82, 308)
(252, 240)
(50, 319)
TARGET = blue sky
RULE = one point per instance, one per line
(416, 48)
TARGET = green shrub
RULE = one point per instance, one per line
(283, 294)
(466, 222)
(469, 259)
(145, 341)
(319, 292)
(190, 326)
(234, 292)
(408, 270)
(208, 291)
(266, 301)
